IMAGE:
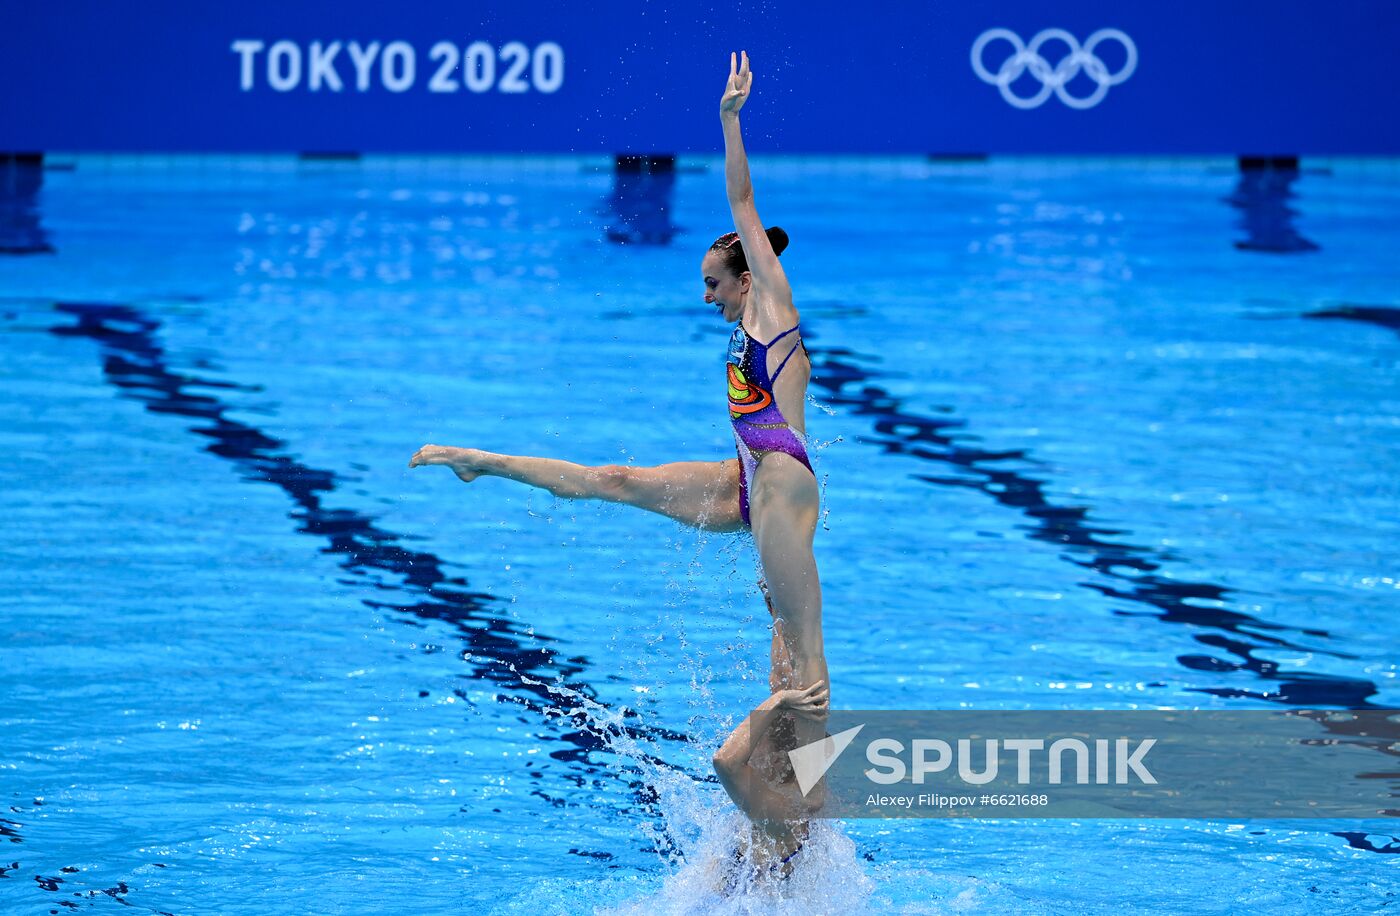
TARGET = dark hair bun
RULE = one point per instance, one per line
(778, 239)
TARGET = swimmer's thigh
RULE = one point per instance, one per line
(703, 494)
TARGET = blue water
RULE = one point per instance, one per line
(1078, 448)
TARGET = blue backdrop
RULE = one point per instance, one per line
(1192, 76)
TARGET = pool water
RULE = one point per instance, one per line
(1114, 434)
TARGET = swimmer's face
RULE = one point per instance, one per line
(723, 289)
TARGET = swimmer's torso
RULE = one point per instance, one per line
(766, 402)
(767, 851)
(768, 378)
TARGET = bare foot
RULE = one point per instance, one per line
(466, 463)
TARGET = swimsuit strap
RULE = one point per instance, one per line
(771, 342)
(775, 375)
(781, 336)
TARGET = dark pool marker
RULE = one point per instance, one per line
(1383, 316)
(1372, 842)
(500, 649)
(1129, 572)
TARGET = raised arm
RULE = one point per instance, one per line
(746, 785)
(768, 276)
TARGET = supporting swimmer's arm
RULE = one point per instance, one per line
(767, 273)
(746, 785)
(733, 756)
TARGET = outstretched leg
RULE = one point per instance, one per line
(703, 494)
(783, 509)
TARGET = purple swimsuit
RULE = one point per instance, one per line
(759, 426)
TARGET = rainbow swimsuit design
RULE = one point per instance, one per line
(759, 426)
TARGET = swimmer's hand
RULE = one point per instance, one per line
(737, 92)
(460, 460)
(811, 703)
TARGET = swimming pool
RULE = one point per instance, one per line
(1092, 434)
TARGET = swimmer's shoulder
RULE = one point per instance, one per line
(766, 321)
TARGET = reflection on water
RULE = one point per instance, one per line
(1127, 571)
(21, 177)
(640, 203)
(1262, 195)
(499, 648)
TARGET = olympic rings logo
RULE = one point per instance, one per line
(1053, 79)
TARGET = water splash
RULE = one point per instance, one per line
(693, 828)
(828, 877)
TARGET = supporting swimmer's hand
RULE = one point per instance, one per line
(737, 91)
(810, 703)
(460, 460)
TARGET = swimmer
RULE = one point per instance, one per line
(754, 768)
(770, 487)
